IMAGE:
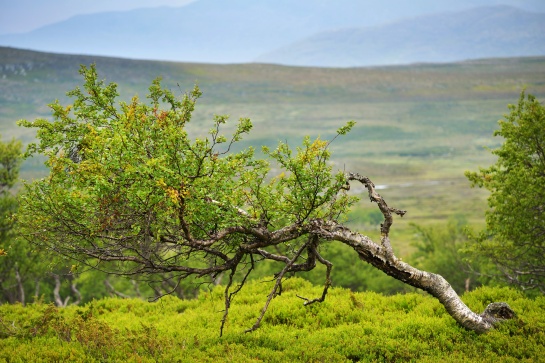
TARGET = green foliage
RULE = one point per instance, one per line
(126, 165)
(444, 116)
(10, 162)
(25, 270)
(346, 327)
(130, 191)
(306, 187)
(15, 261)
(515, 235)
(441, 249)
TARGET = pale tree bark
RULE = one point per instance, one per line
(57, 296)
(382, 257)
(75, 291)
(136, 288)
(434, 284)
(37, 288)
(20, 286)
(56, 292)
(113, 291)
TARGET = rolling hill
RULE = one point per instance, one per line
(241, 31)
(418, 127)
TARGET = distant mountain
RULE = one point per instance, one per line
(228, 31)
(485, 32)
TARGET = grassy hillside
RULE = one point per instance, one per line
(347, 327)
(418, 129)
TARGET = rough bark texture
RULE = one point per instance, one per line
(434, 284)
(383, 258)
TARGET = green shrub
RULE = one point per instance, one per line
(347, 327)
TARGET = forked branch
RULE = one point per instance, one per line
(277, 287)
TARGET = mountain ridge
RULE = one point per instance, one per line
(213, 31)
(486, 32)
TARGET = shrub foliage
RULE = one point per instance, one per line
(347, 327)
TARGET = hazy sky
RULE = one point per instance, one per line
(19, 16)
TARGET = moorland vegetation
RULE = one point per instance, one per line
(94, 156)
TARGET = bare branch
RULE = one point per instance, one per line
(113, 291)
(327, 283)
(228, 296)
(386, 211)
(277, 285)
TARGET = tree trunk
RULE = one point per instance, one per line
(136, 288)
(75, 291)
(56, 292)
(113, 291)
(381, 257)
(20, 286)
(36, 289)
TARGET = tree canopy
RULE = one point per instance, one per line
(515, 235)
(130, 192)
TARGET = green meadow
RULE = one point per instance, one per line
(419, 127)
(347, 327)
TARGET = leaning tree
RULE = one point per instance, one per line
(130, 192)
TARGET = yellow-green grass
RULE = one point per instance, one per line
(347, 327)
